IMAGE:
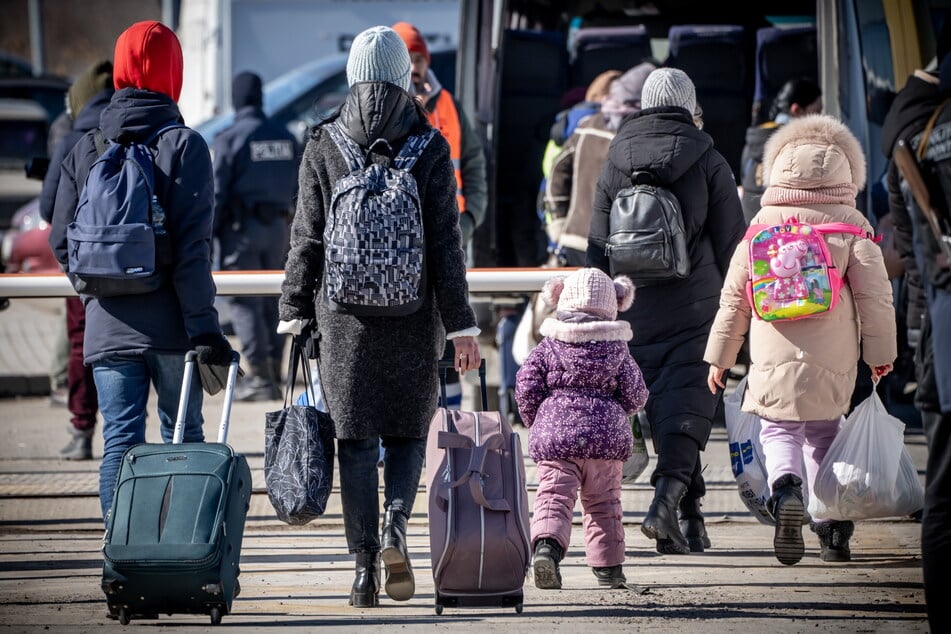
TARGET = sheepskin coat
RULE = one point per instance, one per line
(379, 374)
(805, 369)
(672, 320)
(576, 390)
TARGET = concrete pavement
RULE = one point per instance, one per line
(298, 578)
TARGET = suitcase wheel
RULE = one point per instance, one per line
(215, 616)
(438, 610)
(518, 608)
(124, 616)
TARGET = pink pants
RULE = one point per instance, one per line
(785, 444)
(600, 484)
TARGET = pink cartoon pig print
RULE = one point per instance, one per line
(786, 266)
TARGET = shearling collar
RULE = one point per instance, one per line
(588, 331)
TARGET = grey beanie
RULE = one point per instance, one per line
(669, 87)
(379, 54)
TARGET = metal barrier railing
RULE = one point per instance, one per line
(481, 281)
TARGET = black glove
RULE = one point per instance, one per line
(212, 349)
(308, 340)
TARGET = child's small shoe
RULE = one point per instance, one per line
(610, 577)
(545, 560)
(787, 509)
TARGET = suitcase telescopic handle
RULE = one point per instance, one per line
(448, 365)
(191, 359)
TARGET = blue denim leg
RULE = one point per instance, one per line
(166, 371)
(359, 485)
(123, 386)
(402, 465)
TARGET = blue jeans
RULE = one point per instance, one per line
(360, 481)
(123, 386)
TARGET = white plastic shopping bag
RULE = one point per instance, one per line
(635, 465)
(746, 454)
(867, 472)
(304, 399)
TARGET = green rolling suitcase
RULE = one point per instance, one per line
(173, 536)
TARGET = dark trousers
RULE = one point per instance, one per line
(936, 520)
(360, 481)
(83, 399)
(257, 246)
(678, 457)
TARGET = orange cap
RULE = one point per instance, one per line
(415, 42)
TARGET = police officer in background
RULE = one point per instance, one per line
(255, 162)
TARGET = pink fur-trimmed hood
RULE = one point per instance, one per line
(586, 331)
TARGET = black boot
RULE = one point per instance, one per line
(545, 558)
(610, 577)
(787, 509)
(660, 523)
(692, 526)
(400, 584)
(833, 540)
(366, 583)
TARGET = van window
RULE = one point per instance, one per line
(20, 141)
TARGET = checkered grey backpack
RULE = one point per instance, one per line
(373, 237)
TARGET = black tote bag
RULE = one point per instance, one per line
(298, 452)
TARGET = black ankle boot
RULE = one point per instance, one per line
(610, 577)
(787, 509)
(833, 540)
(545, 558)
(400, 584)
(692, 526)
(660, 523)
(366, 583)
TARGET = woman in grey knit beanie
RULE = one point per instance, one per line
(379, 373)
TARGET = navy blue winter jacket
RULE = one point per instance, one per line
(165, 320)
(86, 120)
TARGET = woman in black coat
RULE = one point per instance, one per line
(671, 321)
(379, 372)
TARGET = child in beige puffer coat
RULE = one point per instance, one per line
(803, 372)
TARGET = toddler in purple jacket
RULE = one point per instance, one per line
(576, 391)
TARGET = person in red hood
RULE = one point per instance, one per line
(134, 341)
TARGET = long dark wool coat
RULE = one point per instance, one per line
(379, 373)
(671, 321)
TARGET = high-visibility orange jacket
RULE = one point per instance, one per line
(445, 118)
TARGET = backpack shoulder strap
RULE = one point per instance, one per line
(100, 142)
(844, 227)
(752, 230)
(926, 133)
(351, 152)
(149, 140)
(413, 148)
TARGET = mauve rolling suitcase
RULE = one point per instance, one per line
(173, 536)
(478, 507)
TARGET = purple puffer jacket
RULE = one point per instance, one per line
(576, 390)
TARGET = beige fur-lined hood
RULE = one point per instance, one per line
(812, 152)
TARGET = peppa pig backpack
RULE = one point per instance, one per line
(792, 275)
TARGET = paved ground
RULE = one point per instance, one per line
(298, 578)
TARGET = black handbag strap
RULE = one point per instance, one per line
(298, 360)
